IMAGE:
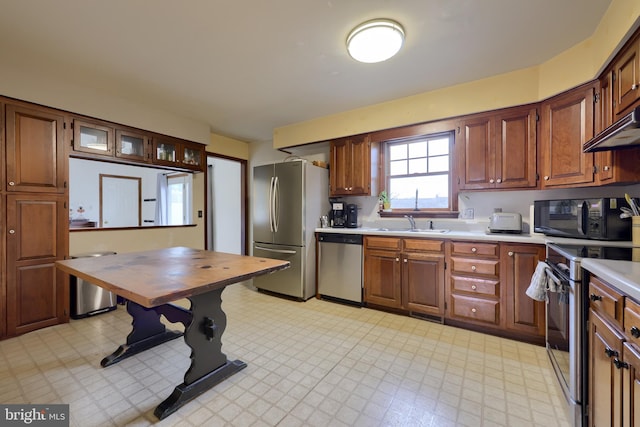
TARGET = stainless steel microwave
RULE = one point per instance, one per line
(582, 218)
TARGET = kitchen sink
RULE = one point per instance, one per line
(414, 230)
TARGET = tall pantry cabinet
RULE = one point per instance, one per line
(35, 221)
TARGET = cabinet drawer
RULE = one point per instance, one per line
(424, 245)
(489, 267)
(475, 285)
(605, 300)
(632, 320)
(483, 310)
(474, 248)
(374, 242)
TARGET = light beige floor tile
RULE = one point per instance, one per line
(315, 363)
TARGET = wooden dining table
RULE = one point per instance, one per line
(150, 281)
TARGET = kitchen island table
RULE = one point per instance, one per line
(150, 281)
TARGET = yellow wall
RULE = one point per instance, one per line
(573, 67)
(228, 147)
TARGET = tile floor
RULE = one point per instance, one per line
(316, 363)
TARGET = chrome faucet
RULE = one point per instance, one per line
(411, 221)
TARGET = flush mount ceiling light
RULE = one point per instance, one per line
(375, 41)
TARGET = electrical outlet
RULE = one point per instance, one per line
(468, 213)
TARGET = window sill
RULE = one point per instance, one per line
(400, 213)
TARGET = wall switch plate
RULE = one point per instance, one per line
(467, 213)
(199, 214)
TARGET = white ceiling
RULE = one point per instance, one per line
(246, 67)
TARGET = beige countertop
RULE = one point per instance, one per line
(623, 275)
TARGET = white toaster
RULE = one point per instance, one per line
(504, 222)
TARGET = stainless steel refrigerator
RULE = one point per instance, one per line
(288, 200)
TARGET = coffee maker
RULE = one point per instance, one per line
(352, 216)
(337, 215)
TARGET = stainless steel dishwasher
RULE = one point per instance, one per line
(340, 267)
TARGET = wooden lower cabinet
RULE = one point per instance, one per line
(613, 358)
(405, 274)
(605, 379)
(474, 283)
(523, 314)
(37, 293)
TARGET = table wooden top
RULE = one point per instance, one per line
(152, 278)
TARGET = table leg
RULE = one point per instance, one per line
(148, 331)
(209, 366)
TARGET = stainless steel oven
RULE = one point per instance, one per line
(564, 335)
(567, 314)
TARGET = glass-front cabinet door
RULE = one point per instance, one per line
(193, 156)
(92, 138)
(167, 151)
(132, 145)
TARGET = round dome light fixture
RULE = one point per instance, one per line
(375, 41)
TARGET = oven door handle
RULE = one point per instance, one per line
(554, 283)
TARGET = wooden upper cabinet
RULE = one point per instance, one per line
(498, 150)
(178, 153)
(132, 145)
(626, 77)
(567, 122)
(350, 172)
(93, 137)
(35, 136)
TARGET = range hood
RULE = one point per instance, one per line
(622, 134)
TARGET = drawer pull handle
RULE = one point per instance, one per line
(473, 310)
(594, 297)
(474, 250)
(610, 352)
(635, 332)
(473, 268)
(620, 364)
(474, 287)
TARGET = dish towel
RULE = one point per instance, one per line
(537, 288)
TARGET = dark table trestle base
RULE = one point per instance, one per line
(204, 325)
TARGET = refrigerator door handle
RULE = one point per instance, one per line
(271, 205)
(280, 251)
(276, 204)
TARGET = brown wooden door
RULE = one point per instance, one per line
(3, 282)
(477, 153)
(340, 156)
(423, 282)
(36, 236)
(627, 78)
(382, 275)
(605, 380)
(566, 124)
(360, 169)
(631, 386)
(516, 142)
(35, 137)
(523, 313)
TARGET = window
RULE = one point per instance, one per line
(178, 199)
(418, 172)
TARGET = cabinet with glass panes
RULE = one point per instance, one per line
(92, 137)
(132, 145)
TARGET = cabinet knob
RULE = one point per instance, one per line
(473, 268)
(635, 332)
(12, 231)
(498, 180)
(11, 183)
(474, 250)
(397, 259)
(634, 86)
(606, 168)
(546, 177)
(510, 253)
(473, 310)
(405, 260)
(491, 181)
(474, 287)
(610, 352)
